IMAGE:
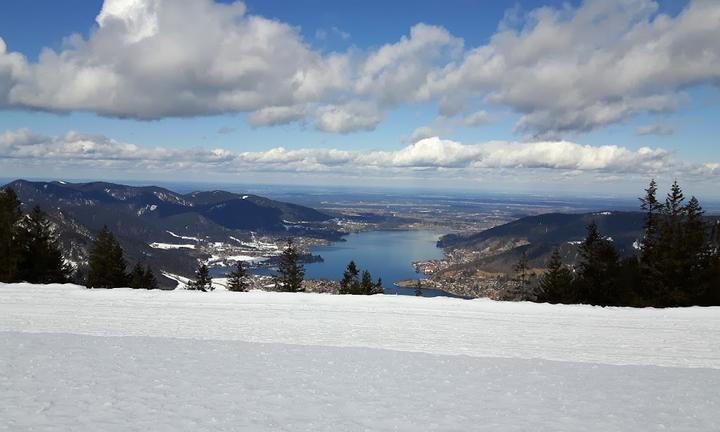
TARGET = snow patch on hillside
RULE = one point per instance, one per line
(147, 208)
(157, 245)
(183, 237)
(215, 260)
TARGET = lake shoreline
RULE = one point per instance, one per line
(386, 254)
(427, 285)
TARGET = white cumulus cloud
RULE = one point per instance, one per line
(564, 70)
(433, 154)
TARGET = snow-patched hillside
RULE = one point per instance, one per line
(77, 359)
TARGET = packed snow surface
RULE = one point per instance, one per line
(78, 359)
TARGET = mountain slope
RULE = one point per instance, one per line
(623, 227)
(498, 249)
(144, 216)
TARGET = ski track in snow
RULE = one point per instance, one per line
(116, 360)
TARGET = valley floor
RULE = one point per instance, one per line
(77, 359)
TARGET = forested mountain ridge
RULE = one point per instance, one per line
(151, 202)
(147, 216)
(499, 248)
(535, 238)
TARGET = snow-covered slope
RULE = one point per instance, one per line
(132, 359)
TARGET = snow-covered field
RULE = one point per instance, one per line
(77, 359)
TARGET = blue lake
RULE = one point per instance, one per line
(386, 254)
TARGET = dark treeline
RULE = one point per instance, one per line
(678, 263)
(291, 274)
(353, 283)
(29, 252)
(107, 267)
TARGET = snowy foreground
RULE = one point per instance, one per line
(77, 359)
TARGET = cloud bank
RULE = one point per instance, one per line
(564, 70)
(430, 156)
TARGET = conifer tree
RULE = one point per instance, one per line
(290, 271)
(556, 284)
(136, 277)
(149, 280)
(696, 252)
(350, 284)
(650, 273)
(143, 278)
(79, 275)
(671, 231)
(711, 292)
(41, 259)
(693, 230)
(418, 288)
(107, 266)
(237, 279)
(702, 252)
(674, 202)
(378, 287)
(367, 286)
(672, 261)
(202, 281)
(521, 270)
(10, 216)
(597, 269)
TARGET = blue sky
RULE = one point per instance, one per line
(377, 123)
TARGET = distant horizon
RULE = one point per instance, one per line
(620, 202)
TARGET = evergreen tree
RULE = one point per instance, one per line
(693, 230)
(149, 280)
(704, 245)
(10, 216)
(290, 271)
(350, 283)
(136, 277)
(418, 288)
(143, 278)
(41, 259)
(671, 261)
(367, 287)
(237, 279)
(203, 281)
(107, 266)
(522, 270)
(378, 288)
(674, 203)
(651, 274)
(556, 284)
(711, 292)
(597, 269)
(696, 252)
(79, 276)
